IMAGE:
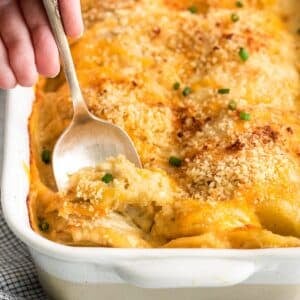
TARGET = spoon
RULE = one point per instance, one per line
(87, 140)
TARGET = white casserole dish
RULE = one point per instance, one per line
(72, 272)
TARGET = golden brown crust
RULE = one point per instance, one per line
(231, 118)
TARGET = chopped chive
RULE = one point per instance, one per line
(46, 156)
(232, 105)
(193, 9)
(175, 161)
(176, 86)
(186, 91)
(234, 17)
(223, 91)
(107, 178)
(44, 225)
(239, 4)
(245, 116)
(244, 55)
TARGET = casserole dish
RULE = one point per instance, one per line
(71, 272)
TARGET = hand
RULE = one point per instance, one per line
(27, 46)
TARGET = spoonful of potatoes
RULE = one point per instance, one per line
(87, 140)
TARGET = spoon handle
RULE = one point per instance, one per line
(52, 9)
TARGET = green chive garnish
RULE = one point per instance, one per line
(244, 55)
(223, 91)
(46, 156)
(245, 116)
(176, 86)
(239, 4)
(107, 178)
(44, 225)
(193, 9)
(175, 161)
(232, 105)
(234, 17)
(186, 91)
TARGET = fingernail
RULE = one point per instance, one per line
(82, 31)
(80, 34)
(55, 75)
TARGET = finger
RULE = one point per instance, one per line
(45, 49)
(71, 16)
(7, 77)
(17, 41)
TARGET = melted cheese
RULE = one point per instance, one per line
(238, 185)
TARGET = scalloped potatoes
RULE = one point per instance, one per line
(209, 93)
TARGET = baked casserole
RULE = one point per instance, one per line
(208, 90)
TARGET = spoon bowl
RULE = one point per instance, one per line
(88, 140)
(86, 143)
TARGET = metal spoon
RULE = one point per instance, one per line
(88, 140)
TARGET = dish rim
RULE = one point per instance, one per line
(93, 254)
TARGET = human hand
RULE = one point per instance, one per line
(27, 46)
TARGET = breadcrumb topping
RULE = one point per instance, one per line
(209, 93)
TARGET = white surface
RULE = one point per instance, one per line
(141, 267)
